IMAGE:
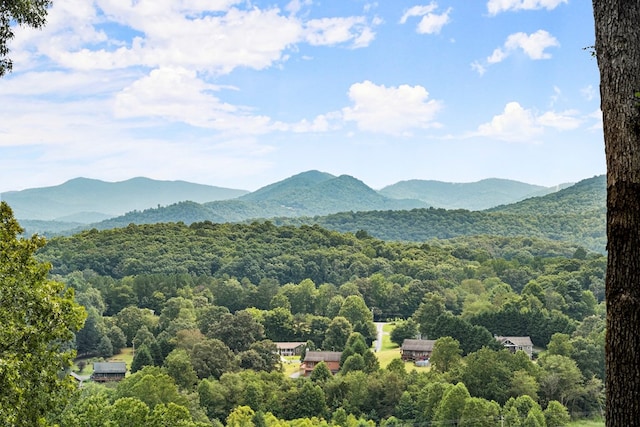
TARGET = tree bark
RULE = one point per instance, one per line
(617, 25)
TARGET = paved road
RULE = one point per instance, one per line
(378, 343)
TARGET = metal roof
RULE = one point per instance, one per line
(322, 356)
(418, 345)
(109, 368)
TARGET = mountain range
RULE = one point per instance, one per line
(409, 210)
(88, 201)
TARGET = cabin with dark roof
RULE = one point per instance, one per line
(108, 371)
(416, 349)
(312, 358)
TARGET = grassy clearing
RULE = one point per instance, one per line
(291, 366)
(391, 351)
(125, 355)
(586, 423)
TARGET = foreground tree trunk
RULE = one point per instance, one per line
(618, 52)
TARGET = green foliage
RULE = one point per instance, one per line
(446, 354)
(25, 13)
(38, 319)
(556, 415)
(141, 359)
(404, 329)
(451, 408)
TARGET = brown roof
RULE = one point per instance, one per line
(322, 356)
(518, 341)
(417, 345)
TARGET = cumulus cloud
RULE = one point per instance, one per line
(332, 31)
(214, 36)
(533, 45)
(431, 23)
(390, 110)
(517, 124)
(497, 6)
(177, 94)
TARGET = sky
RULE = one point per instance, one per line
(241, 93)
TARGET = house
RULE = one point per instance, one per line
(416, 349)
(514, 344)
(290, 348)
(80, 378)
(108, 371)
(312, 358)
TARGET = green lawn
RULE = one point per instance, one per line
(586, 423)
(126, 355)
(391, 351)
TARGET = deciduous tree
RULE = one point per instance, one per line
(38, 316)
(618, 52)
(31, 13)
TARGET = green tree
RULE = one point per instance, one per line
(38, 316)
(238, 331)
(320, 373)
(446, 354)
(118, 340)
(431, 307)
(141, 359)
(404, 329)
(242, 416)
(337, 334)
(556, 415)
(560, 379)
(131, 319)
(31, 13)
(178, 366)
(128, 412)
(617, 49)
(560, 344)
(152, 386)
(358, 314)
(211, 358)
(452, 405)
(170, 415)
(306, 402)
(479, 412)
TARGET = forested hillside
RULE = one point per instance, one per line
(204, 304)
(90, 200)
(474, 196)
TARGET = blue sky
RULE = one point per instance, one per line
(241, 94)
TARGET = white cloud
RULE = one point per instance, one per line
(332, 31)
(391, 110)
(497, 6)
(431, 23)
(565, 120)
(205, 35)
(497, 56)
(588, 92)
(517, 124)
(533, 45)
(478, 67)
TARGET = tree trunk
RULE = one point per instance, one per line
(617, 25)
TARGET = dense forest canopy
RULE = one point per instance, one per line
(183, 293)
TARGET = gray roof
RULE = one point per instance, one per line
(517, 341)
(322, 356)
(417, 345)
(109, 368)
(289, 345)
